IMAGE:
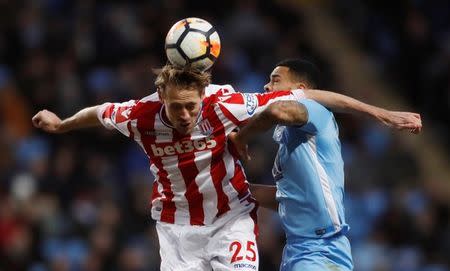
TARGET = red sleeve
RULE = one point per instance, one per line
(117, 115)
(239, 107)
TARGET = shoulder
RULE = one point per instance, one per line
(218, 89)
(315, 107)
(147, 105)
(319, 117)
(224, 98)
(150, 98)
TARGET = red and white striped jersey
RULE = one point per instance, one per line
(198, 176)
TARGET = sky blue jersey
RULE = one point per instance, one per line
(309, 173)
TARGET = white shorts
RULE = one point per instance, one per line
(228, 244)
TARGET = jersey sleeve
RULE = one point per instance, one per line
(219, 90)
(239, 107)
(116, 115)
(318, 117)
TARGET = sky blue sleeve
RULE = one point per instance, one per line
(318, 117)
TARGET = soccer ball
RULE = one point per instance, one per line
(194, 42)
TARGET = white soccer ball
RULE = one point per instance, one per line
(192, 41)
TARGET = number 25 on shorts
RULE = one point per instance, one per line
(249, 254)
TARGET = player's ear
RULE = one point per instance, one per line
(202, 93)
(160, 93)
(301, 85)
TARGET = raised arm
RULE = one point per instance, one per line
(51, 123)
(344, 104)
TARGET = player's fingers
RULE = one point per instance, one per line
(411, 125)
(416, 130)
(36, 121)
(405, 126)
(38, 117)
(412, 121)
(417, 124)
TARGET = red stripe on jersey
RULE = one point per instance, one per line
(218, 169)
(123, 113)
(168, 210)
(233, 98)
(263, 99)
(229, 116)
(108, 112)
(155, 193)
(238, 181)
(189, 172)
(145, 125)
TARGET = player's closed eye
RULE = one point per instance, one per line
(176, 107)
(190, 107)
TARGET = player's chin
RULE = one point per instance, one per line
(184, 128)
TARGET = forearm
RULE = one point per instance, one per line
(281, 112)
(344, 104)
(265, 195)
(84, 118)
(256, 125)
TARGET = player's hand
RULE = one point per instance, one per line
(241, 147)
(47, 121)
(403, 121)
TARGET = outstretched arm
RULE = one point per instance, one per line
(344, 104)
(280, 112)
(265, 195)
(51, 123)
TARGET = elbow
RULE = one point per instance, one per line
(287, 113)
(274, 113)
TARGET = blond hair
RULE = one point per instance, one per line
(182, 78)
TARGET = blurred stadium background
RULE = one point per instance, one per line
(79, 201)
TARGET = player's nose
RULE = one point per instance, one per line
(184, 115)
(267, 88)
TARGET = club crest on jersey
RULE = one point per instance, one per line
(278, 133)
(205, 128)
(277, 172)
(251, 102)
